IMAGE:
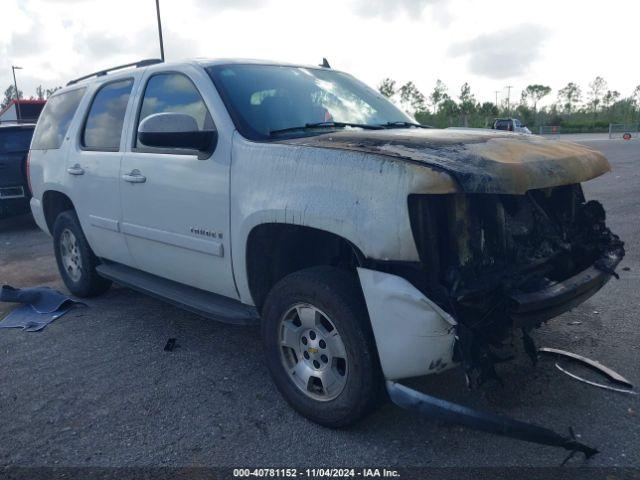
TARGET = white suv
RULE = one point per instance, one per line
(370, 248)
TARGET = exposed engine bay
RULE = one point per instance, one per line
(497, 262)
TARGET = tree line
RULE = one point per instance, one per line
(41, 94)
(572, 110)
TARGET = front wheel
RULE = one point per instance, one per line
(76, 261)
(319, 346)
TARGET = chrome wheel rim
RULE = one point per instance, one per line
(70, 255)
(312, 352)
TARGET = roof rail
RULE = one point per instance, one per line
(100, 73)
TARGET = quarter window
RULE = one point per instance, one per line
(103, 128)
(55, 119)
(174, 93)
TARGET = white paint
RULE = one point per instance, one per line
(414, 336)
(210, 247)
(105, 223)
(181, 192)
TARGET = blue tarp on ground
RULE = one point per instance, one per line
(41, 306)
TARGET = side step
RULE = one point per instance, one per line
(200, 302)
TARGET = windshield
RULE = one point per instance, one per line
(15, 140)
(268, 99)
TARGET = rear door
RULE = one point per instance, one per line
(175, 205)
(14, 146)
(93, 168)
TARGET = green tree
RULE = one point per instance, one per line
(438, 94)
(609, 98)
(449, 109)
(597, 89)
(10, 95)
(488, 111)
(387, 87)
(40, 92)
(526, 114)
(635, 101)
(635, 96)
(570, 96)
(467, 103)
(412, 98)
(535, 93)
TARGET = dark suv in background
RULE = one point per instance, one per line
(510, 125)
(14, 148)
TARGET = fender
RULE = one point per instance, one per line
(357, 196)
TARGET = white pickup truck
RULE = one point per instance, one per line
(369, 248)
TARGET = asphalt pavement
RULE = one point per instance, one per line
(96, 387)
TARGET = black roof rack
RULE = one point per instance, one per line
(141, 63)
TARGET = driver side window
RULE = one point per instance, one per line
(174, 93)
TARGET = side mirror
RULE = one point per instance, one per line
(175, 130)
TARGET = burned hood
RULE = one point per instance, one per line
(481, 161)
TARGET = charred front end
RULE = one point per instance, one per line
(497, 261)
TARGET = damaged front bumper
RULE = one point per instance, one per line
(414, 336)
(488, 265)
(530, 309)
(452, 413)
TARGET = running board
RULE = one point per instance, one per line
(200, 302)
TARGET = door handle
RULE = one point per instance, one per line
(76, 170)
(134, 176)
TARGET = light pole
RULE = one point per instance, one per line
(509, 87)
(15, 85)
(160, 30)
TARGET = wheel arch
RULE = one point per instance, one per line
(274, 250)
(55, 202)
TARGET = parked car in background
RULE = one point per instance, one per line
(368, 247)
(510, 125)
(14, 188)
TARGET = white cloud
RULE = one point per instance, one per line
(390, 9)
(419, 40)
(503, 54)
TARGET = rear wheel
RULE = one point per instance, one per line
(319, 346)
(76, 261)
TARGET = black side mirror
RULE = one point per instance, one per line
(175, 130)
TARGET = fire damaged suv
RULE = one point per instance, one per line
(370, 248)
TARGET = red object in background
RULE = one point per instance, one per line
(554, 129)
(627, 136)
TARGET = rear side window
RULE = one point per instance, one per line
(175, 93)
(55, 119)
(15, 140)
(103, 127)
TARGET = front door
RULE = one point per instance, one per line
(175, 204)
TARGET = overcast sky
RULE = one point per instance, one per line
(489, 44)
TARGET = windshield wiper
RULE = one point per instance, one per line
(310, 126)
(402, 124)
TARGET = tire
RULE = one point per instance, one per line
(355, 385)
(76, 264)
